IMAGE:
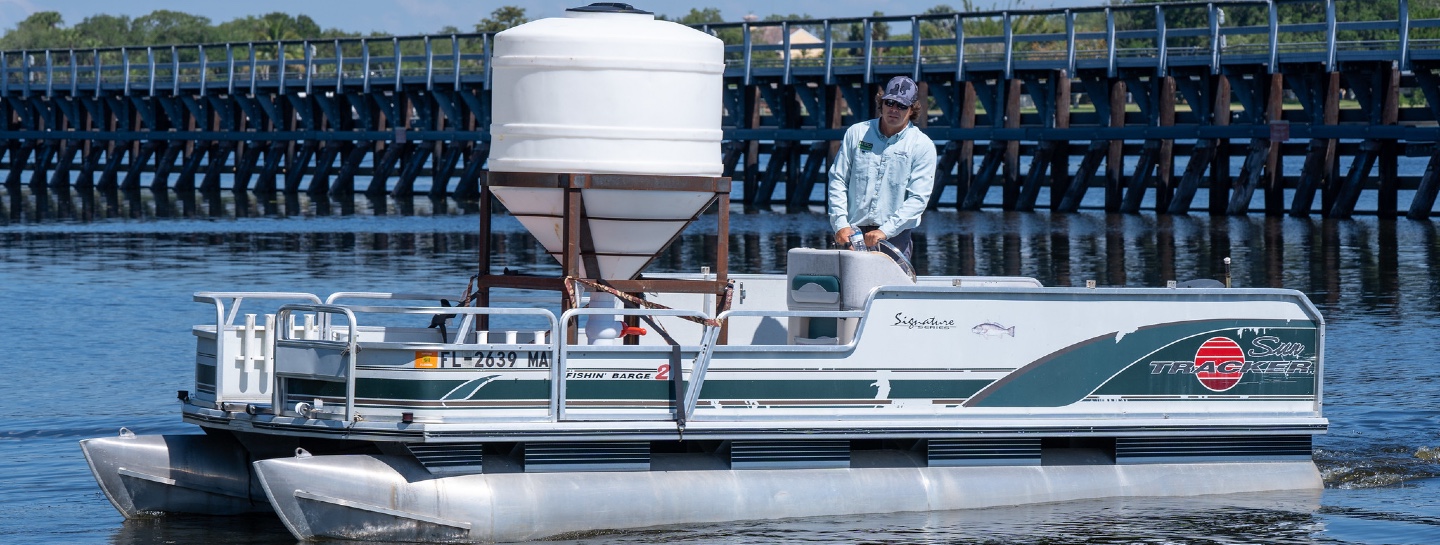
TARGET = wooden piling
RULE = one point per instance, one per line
(1220, 181)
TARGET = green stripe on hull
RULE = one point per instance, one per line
(839, 389)
(638, 390)
(425, 390)
(1107, 366)
(776, 389)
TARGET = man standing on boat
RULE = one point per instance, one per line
(881, 178)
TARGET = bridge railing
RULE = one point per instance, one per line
(1105, 34)
(293, 66)
(1110, 36)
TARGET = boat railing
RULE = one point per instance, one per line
(332, 354)
(685, 395)
(303, 357)
(243, 343)
(335, 298)
(339, 296)
(467, 322)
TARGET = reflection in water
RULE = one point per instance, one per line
(1274, 252)
(1328, 253)
(1061, 250)
(1059, 254)
(40, 204)
(1329, 260)
(242, 529)
(1282, 518)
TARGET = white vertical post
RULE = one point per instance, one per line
(1070, 41)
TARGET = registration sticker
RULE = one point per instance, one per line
(427, 359)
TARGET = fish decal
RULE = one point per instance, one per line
(992, 329)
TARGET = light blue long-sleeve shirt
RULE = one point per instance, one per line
(879, 181)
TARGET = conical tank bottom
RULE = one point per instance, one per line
(626, 228)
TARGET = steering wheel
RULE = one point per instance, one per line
(899, 258)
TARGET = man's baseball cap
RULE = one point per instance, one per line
(901, 89)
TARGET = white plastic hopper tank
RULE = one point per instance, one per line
(607, 89)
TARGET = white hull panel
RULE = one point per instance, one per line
(394, 499)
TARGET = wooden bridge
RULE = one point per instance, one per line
(1148, 103)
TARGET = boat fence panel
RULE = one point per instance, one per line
(234, 362)
(414, 374)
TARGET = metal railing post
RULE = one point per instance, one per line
(280, 64)
(74, 75)
(150, 65)
(1330, 35)
(395, 43)
(1070, 42)
(175, 69)
(1404, 35)
(125, 65)
(1009, 31)
(339, 67)
(25, 73)
(309, 67)
(829, 54)
(488, 55)
(230, 69)
(455, 54)
(1274, 23)
(869, 52)
(785, 54)
(353, 349)
(1161, 41)
(220, 352)
(95, 54)
(429, 65)
(959, 48)
(49, 74)
(1214, 39)
(1110, 42)
(253, 67)
(204, 69)
(915, 47)
(745, 37)
(365, 65)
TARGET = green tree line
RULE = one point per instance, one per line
(48, 30)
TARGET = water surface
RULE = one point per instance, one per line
(96, 314)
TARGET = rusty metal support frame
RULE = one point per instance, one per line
(576, 241)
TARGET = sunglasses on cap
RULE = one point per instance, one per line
(894, 104)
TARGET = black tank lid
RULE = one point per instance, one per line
(610, 7)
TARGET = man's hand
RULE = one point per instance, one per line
(842, 237)
(873, 238)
